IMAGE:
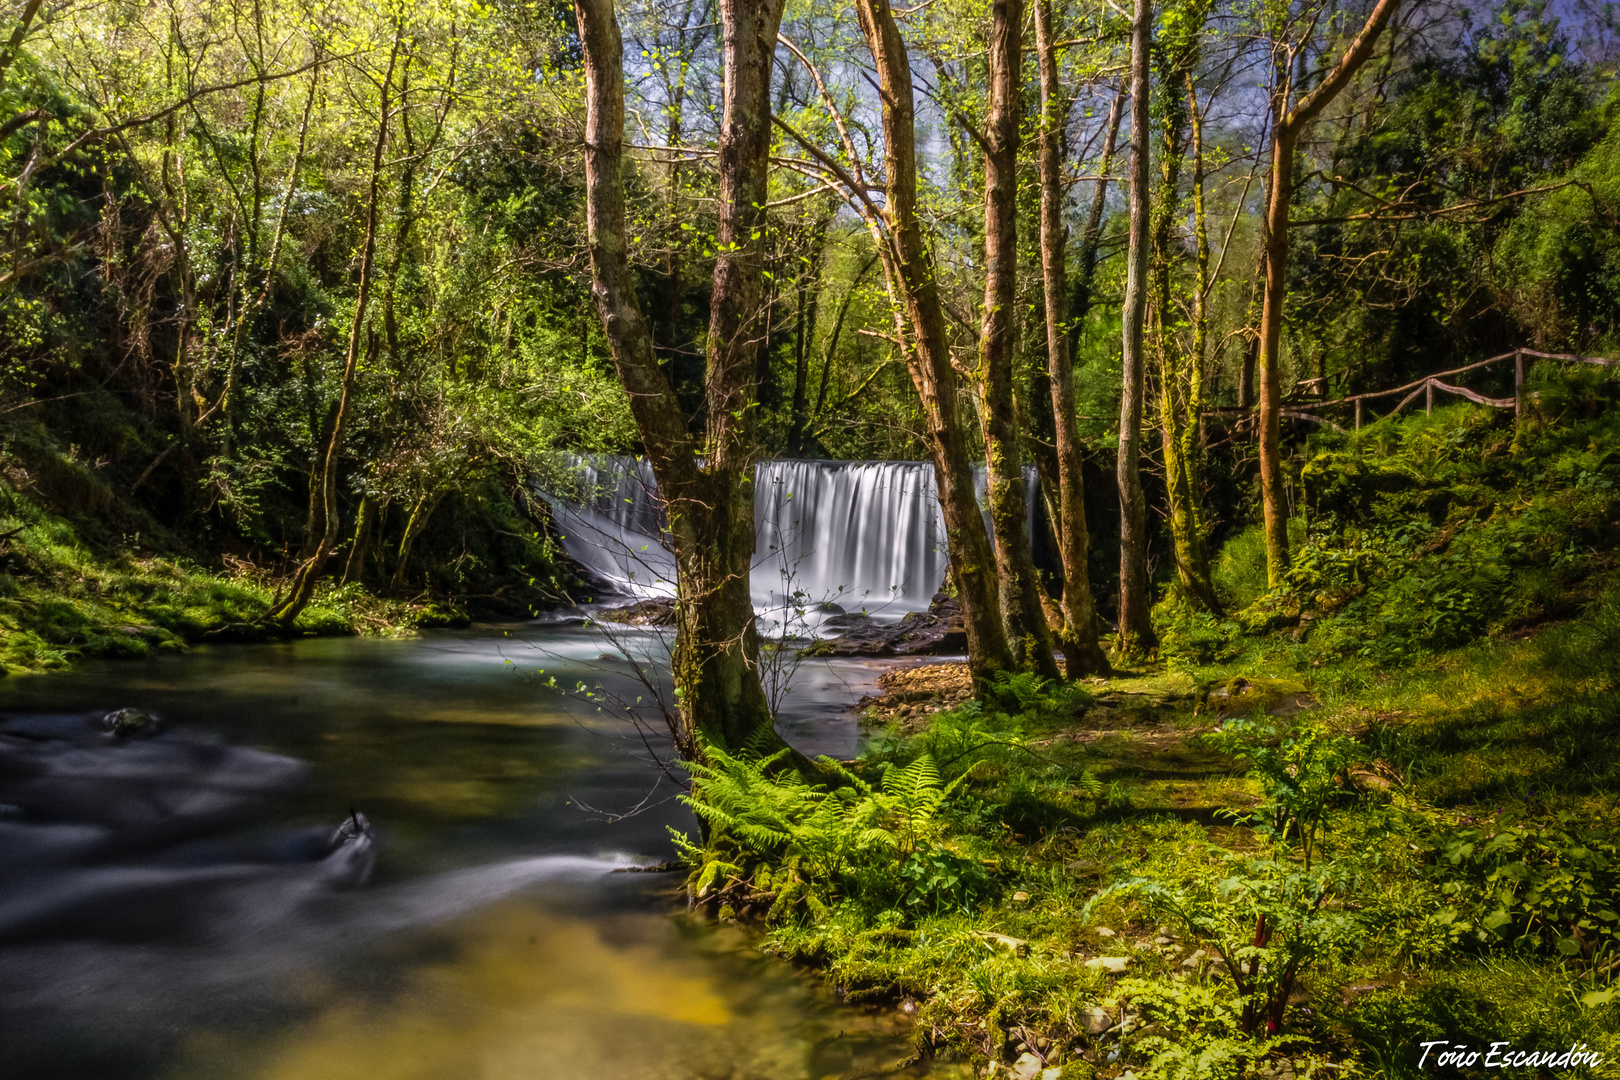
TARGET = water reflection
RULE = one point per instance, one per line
(516, 992)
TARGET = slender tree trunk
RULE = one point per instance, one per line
(420, 515)
(354, 567)
(1135, 624)
(1019, 590)
(1279, 196)
(1091, 237)
(972, 564)
(325, 524)
(710, 506)
(1251, 339)
(1178, 368)
(808, 293)
(1192, 448)
(1288, 121)
(1082, 654)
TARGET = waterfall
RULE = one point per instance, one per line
(831, 536)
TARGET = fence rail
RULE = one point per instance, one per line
(1428, 384)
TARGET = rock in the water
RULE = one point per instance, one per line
(937, 630)
(659, 611)
(125, 723)
(353, 853)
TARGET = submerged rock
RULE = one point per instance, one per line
(125, 723)
(352, 852)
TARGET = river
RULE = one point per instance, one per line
(172, 906)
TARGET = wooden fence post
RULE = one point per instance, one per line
(1428, 397)
(1358, 414)
(1518, 385)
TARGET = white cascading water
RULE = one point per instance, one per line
(862, 535)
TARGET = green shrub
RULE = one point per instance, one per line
(1300, 765)
(1267, 920)
(1552, 889)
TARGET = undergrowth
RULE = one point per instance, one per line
(1407, 840)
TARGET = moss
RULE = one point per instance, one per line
(61, 600)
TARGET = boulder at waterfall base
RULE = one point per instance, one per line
(920, 633)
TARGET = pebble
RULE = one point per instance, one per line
(1094, 1020)
(1027, 1067)
(1114, 965)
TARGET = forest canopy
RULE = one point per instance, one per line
(310, 287)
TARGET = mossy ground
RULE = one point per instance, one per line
(60, 600)
(1494, 734)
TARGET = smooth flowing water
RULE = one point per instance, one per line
(174, 906)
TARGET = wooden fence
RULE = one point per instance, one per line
(1427, 386)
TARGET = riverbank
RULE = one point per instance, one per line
(61, 601)
(1229, 869)
(1373, 805)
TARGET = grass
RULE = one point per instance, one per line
(1468, 733)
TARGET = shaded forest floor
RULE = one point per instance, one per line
(1110, 822)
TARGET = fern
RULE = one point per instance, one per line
(806, 844)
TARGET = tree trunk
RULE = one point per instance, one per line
(421, 513)
(1179, 368)
(1191, 448)
(1288, 121)
(808, 297)
(710, 506)
(972, 564)
(1082, 654)
(1279, 196)
(324, 523)
(1019, 590)
(1135, 624)
(354, 567)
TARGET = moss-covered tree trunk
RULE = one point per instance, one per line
(1135, 625)
(1081, 653)
(1180, 375)
(973, 566)
(1019, 590)
(709, 502)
